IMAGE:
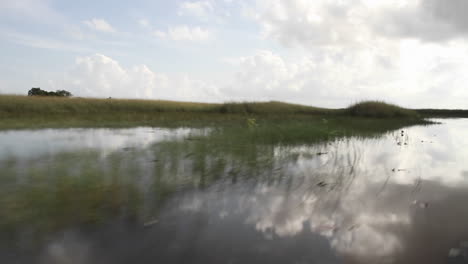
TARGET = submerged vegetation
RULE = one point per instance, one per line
(40, 112)
(86, 187)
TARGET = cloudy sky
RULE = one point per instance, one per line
(317, 52)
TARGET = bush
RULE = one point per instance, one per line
(379, 109)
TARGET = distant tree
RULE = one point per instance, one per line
(39, 92)
(36, 92)
(63, 93)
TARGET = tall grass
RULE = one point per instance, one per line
(12, 104)
(379, 109)
(37, 112)
(271, 107)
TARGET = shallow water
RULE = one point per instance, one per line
(148, 195)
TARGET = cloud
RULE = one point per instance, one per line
(144, 23)
(99, 25)
(200, 9)
(318, 79)
(102, 76)
(185, 33)
(343, 23)
(266, 75)
(309, 23)
(428, 20)
(409, 73)
(328, 78)
(403, 51)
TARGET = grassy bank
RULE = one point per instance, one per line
(19, 105)
(18, 112)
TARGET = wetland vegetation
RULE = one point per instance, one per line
(44, 112)
(75, 193)
(182, 178)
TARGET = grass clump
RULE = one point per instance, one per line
(378, 109)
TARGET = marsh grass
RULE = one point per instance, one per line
(17, 112)
(46, 194)
(272, 107)
(65, 190)
(379, 109)
(17, 105)
(306, 130)
(52, 193)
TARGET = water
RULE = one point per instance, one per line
(148, 195)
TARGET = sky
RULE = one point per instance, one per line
(328, 53)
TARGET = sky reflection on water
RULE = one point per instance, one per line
(399, 198)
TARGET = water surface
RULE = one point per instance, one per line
(147, 195)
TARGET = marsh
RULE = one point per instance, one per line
(200, 195)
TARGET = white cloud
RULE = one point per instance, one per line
(99, 25)
(101, 76)
(408, 73)
(144, 23)
(330, 79)
(404, 51)
(310, 23)
(358, 22)
(319, 80)
(200, 9)
(185, 33)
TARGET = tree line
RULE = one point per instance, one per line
(40, 92)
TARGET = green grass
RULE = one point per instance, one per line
(272, 107)
(306, 130)
(380, 109)
(17, 105)
(18, 112)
